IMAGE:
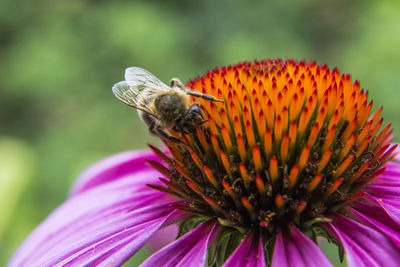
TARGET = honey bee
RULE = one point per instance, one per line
(161, 107)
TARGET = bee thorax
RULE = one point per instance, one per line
(170, 108)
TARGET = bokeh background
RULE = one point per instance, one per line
(59, 59)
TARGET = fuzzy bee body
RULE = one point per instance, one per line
(160, 106)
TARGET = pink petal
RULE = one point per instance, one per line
(249, 253)
(116, 249)
(363, 245)
(189, 250)
(163, 237)
(116, 167)
(110, 222)
(295, 250)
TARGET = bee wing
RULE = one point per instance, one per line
(132, 97)
(145, 82)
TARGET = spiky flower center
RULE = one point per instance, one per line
(292, 142)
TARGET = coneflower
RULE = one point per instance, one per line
(294, 153)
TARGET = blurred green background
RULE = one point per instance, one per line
(59, 59)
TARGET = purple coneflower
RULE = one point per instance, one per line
(293, 154)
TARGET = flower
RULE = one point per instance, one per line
(291, 155)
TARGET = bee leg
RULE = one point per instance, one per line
(204, 96)
(178, 127)
(201, 123)
(156, 130)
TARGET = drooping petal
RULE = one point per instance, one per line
(250, 253)
(383, 223)
(363, 245)
(116, 167)
(189, 250)
(390, 204)
(384, 191)
(109, 222)
(376, 212)
(295, 249)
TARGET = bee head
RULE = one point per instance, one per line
(192, 118)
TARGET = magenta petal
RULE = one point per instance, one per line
(110, 222)
(250, 253)
(280, 257)
(295, 250)
(116, 167)
(189, 250)
(363, 245)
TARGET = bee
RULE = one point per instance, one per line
(161, 107)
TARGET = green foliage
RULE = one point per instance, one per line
(189, 224)
(222, 248)
(17, 170)
(59, 59)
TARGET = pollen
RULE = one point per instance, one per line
(291, 142)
